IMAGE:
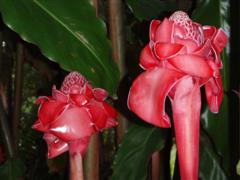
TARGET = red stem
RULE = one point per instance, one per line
(76, 167)
(186, 115)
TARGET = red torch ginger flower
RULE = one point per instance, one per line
(181, 57)
(71, 115)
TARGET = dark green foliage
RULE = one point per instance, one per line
(217, 125)
(68, 33)
(210, 166)
(132, 158)
(12, 169)
(147, 10)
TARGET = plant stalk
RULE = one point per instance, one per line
(118, 50)
(17, 93)
(186, 115)
(76, 167)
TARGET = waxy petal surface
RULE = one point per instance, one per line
(49, 110)
(214, 94)
(55, 145)
(100, 94)
(74, 123)
(147, 59)
(166, 50)
(148, 93)
(186, 107)
(164, 31)
(153, 27)
(192, 65)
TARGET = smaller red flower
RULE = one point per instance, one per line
(71, 115)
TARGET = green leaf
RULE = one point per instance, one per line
(210, 168)
(217, 125)
(67, 32)
(132, 157)
(146, 10)
(12, 169)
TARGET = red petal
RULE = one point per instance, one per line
(110, 110)
(220, 40)
(58, 95)
(148, 93)
(214, 94)
(209, 31)
(217, 58)
(204, 50)
(186, 107)
(190, 44)
(193, 65)
(153, 27)
(98, 114)
(39, 126)
(49, 110)
(147, 59)
(165, 50)
(74, 123)
(164, 31)
(79, 99)
(55, 145)
(100, 94)
(41, 99)
(110, 123)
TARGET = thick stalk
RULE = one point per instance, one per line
(76, 167)
(91, 163)
(186, 114)
(155, 165)
(5, 131)
(118, 51)
(17, 93)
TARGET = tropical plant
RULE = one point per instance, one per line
(43, 40)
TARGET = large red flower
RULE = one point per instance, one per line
(71, 115)
(181, 57)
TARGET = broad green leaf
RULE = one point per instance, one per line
(132, 157)
(210, 168)
(146, 10)
(67, 32)
(217, 125)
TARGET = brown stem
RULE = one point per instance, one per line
(5, 131)
(116, 33)
(118, 51)
(76, 167)
(155, 166)
(96, 5)
(17, 93)
(91, 163)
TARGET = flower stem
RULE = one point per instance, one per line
(76, 167)
(186, 115)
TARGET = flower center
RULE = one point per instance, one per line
(193, 30)
(73, 83)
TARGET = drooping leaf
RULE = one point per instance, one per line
(132, 157)
(217, 125)
(67, 32)
(210, 168)
(146, 10)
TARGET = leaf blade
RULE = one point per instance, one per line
(68, 33)
(138, 144)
